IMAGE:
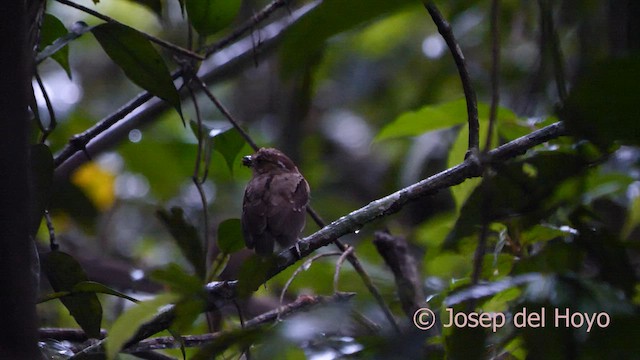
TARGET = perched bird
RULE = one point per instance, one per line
(275, 202)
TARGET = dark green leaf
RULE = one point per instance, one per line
(178, 280)
(186, 236)
(253, 273)
(211, 16)
(187, 311)
(521, 189)
(128, 323)
(307, 36)
(230, 238)
(603, 106)
(41, 181)
(228, 143)
(87, 287)
(60, 43)
(139, 60)
(95, 287)
(70, 198)
(52, 31)
(64, 273)
(240, 337)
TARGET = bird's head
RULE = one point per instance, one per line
(268, 160)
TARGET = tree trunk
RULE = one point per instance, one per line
(18, 330)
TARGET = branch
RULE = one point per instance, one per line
(394, 250)
(115, 127)
(303, 303)
(472, 105)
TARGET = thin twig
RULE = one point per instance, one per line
(481, 248)
(53, 245)
(472, 105)
(168, 45)
(227, 114)
(336, 274)
(548, 27)
(196, 176)
(301, 268)
(52, 114)
(495, 72)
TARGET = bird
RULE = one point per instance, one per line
(275, 202)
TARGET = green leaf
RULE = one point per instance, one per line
(59, 44)
(428, 118)
(187, 311)
(515, 192)
(228, 143)
(186, 236)
(211, 16)
(128, 323)
(603, 106)
(87, 287)
(41, 181)
(64, 273)
(52, 30)
(139, 60)
(230, 238)
(307, 36)
(439, 116)
(253, 273)
(178, 280)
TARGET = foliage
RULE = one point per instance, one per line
(366, 99)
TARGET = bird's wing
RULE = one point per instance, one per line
(288, 203)
(254, 213)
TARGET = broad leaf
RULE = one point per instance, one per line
(230, 238)
(59, 44)
(139, 60)
(87, 287)
(439, 116)
(228, 143)
(64, 273)
(52, 30)
(211, 16)
(186, 236)
(178, 280)
(129, 322)
(522, 189)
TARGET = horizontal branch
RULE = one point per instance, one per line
(302, 304)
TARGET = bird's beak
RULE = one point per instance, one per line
(246, 160)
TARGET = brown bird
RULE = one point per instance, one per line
(275, 201)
